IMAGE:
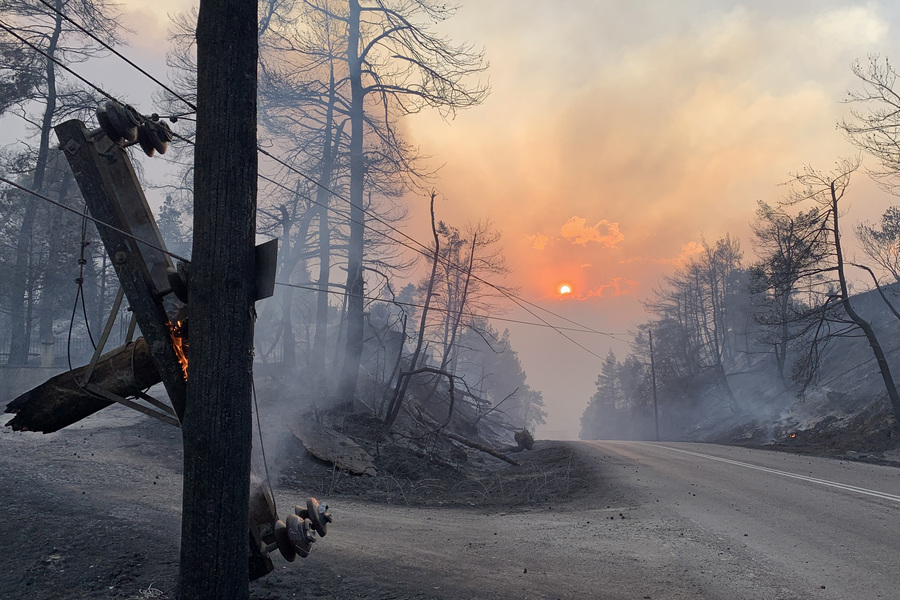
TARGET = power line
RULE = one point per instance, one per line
(422, 248)
(432, 308)
(97, 221)
(521, 303)
(98, 89)
(425, 250)
(93, 36)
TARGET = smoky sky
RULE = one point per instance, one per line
(620, 135)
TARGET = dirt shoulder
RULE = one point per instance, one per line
(93, 511)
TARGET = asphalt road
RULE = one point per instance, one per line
(664, 521)
(824, 527)
(672, 520)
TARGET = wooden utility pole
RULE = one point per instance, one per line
(217, 422)
(111, 190)
(653, 383)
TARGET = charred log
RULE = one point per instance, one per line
(66, 398)
(524, 441)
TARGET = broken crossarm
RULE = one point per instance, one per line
(62, 401)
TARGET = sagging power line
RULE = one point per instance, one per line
(413, 245)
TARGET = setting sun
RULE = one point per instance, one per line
(565, 289)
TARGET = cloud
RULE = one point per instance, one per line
(603, 232)
(688, 251)
(538, 241)
(618, 286)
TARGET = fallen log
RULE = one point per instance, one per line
(62, 401)
(464, 441)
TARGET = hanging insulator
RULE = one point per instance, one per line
(124, 120)
(283, 540)
(163, 136)
(317, 514)
(154, 136)
(107, 126)
(145, 139)
(301, 534)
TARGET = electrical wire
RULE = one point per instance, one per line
(93, 36)
(422, 248)
(90, 218)
(520, 302)
(430, 308)
(60, 64)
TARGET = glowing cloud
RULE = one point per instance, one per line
(688, 251)
(603, 232)
(618, 286)
(538, 241)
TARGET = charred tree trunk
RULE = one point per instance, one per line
(20, 298)
(860, 322)
(355, 318)
(62, 401)
(323, 197)
(216, 428)
(53, 275)
(403, 380)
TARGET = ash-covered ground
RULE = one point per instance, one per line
(93, 511)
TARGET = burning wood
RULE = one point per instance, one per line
(65, 399)
(178, 332)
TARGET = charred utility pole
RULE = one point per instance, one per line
(217, 421)
(111, 190)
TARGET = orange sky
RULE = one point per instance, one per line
(616, 139)
(618, 135)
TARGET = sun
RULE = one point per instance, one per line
(565, 289)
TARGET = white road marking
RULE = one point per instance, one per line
(825, 482)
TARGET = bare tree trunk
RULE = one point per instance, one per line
(355, 317)
(866, 327)
(216, 428)
(20, 329)
(49, 298)
(323, 197)
(457, 318)
(293, 256)
(403, 380)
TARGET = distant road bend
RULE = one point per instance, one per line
(671, 521)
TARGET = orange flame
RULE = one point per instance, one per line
(793, 435)
(179, 344)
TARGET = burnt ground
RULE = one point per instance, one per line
(865, 434)
(93, 511)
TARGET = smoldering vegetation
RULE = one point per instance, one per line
(755, 354)
(420, 429)
(346, 340)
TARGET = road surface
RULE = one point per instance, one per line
(93, 512)
(690, 521)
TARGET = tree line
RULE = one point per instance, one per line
(735, 338)
(336, 79)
